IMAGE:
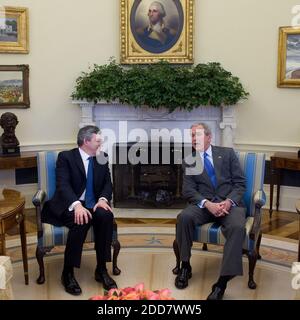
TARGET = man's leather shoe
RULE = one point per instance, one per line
(216, 293)
(71, 285)
(106, 280)
(182, 279)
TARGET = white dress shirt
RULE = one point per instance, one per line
(210, 158)
(85, 160)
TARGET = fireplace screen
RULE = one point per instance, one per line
(148, 176)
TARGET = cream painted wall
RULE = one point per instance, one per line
(243, 36)
(67, 36)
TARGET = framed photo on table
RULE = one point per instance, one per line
(14, 30)
(288, 74)
(156, 30)
(14, 86)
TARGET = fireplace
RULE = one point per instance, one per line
(151, 185)
(148, 175)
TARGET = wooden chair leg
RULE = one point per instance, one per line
(40, 253)
(116, 249)
(252, 257)
(258, 245)
(177, 255)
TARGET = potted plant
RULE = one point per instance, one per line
(160, 85)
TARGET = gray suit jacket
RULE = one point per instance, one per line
(231, 182)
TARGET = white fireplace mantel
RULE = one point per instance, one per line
(108, 116)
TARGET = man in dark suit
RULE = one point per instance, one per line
(81, 199)
(214, 185)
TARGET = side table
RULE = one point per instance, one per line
(11, 215)
(281, 160)
(25, 160)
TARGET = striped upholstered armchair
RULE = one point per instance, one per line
(48, 235)
(253, 165)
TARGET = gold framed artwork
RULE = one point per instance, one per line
(13, 30)
(156, 30)
(14, 86)
(288, 74)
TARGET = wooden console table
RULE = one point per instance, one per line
(281, 160)
(25, 160)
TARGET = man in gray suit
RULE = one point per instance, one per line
(214, 185)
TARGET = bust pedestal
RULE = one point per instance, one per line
(9, 151)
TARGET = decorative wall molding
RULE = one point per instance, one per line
(63, 145)
(267, 148)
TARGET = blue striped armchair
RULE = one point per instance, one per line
(48, 235)
(253, 165)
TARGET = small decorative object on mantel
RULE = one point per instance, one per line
(9, 144)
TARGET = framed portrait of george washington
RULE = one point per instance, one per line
(14, 30)
(288, 74)
(156, 30)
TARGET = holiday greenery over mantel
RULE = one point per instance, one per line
(161, 85)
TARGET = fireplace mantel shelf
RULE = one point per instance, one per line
(108, 115)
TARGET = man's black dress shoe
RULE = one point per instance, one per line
(105, 279)
(182, 279)
(71, 285)
(216, 293)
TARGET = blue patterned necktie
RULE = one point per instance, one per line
(89, 190)
(210, 170)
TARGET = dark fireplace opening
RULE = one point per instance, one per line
(153, 182)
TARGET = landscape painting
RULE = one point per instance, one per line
(14, 30)
(8, 29)
(288, 74)
(14, 86)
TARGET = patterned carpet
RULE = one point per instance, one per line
(147, 256)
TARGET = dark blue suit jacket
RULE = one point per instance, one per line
(71, 182)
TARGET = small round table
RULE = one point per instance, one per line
(11, 215)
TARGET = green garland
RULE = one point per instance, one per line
(161, 85)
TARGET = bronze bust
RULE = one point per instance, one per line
(9, 143)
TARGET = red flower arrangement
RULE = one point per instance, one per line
(137, 292)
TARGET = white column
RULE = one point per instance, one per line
(87, 114)
(227, 126)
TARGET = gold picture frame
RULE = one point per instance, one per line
(14, 30)
(14, 86)
(288, 74)
(145, 40)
